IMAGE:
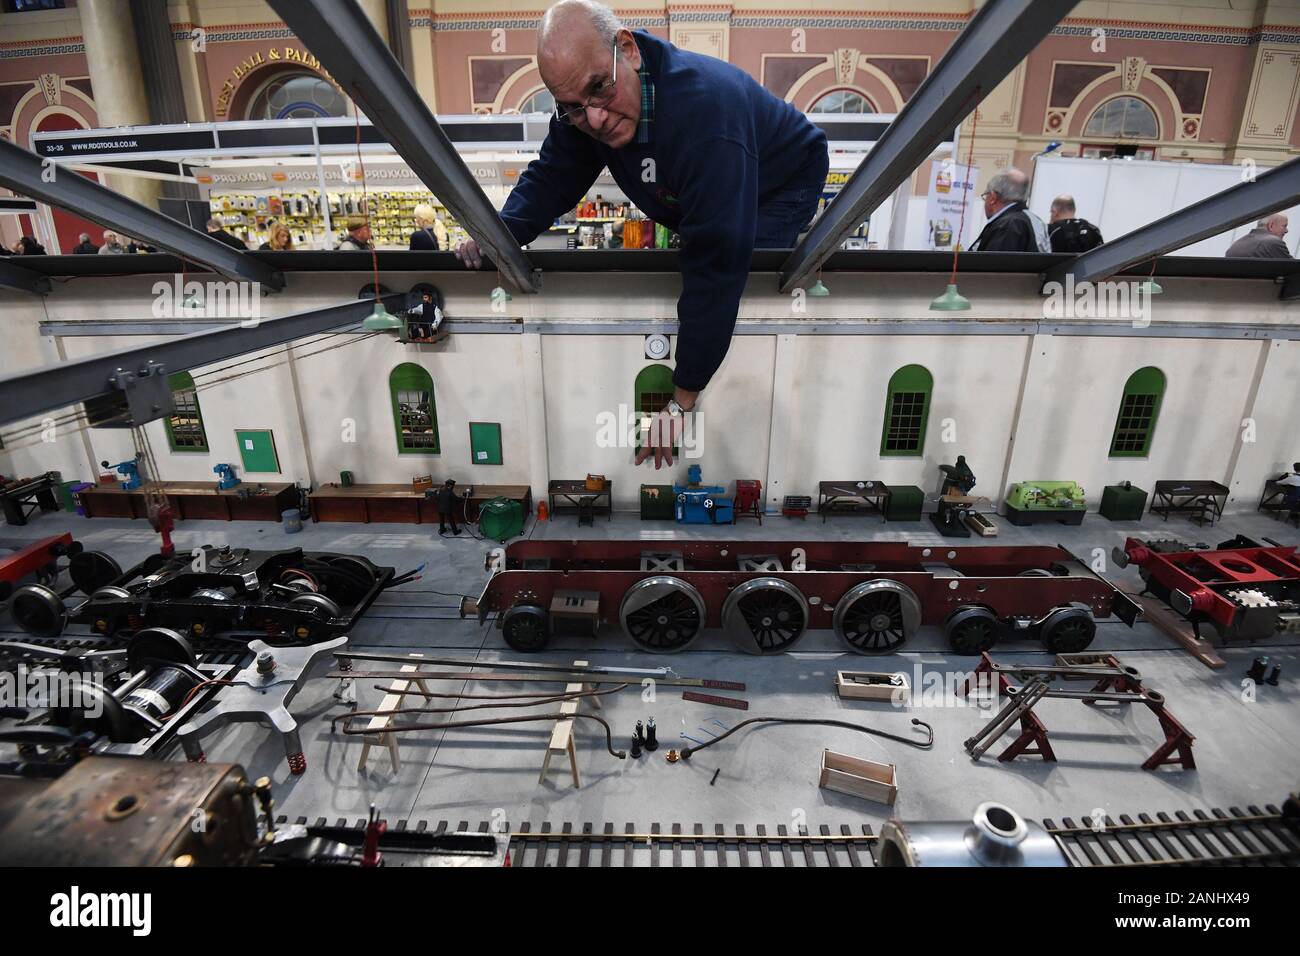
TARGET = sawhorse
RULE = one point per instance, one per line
(397, 691)
(562, 735)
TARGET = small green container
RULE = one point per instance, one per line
(904, 503)
(501, 518)
(1123, 504)
(657, 503)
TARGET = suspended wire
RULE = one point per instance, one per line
(329, 348)
(965, 193)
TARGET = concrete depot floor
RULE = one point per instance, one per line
(1247, 752)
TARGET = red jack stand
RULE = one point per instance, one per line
(370, 855)
(161, 520)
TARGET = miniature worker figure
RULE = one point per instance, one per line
(447, 507)
(672, 127)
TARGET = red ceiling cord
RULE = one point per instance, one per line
(965, 198)
(365, 198)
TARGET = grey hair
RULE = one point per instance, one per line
(1064, 203)
(604, 19)
(1009, 187)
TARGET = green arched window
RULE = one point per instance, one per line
(185, 423)
(1138, 411)
(653, 388)
(415, 416)
(907, 407)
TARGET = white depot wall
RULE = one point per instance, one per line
(1076, 384)
(840, 385)
(1276, 435)
(588, 376)
(475, 378)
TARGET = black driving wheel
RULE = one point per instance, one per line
(346, 579)
(971, 630)
(92, 570)
(38, 610)
(662, 614)
(1068, 630)
(877, 616)
(776, 620)
(525, 628)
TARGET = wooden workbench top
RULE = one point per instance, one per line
(405, 491)
(195, 488)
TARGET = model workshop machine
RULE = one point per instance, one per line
(1246, 591)
(766, 594)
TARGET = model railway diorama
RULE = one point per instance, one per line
(765, 595)
(286, 598)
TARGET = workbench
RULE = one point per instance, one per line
(1273, 497)
(1199, 499)
(566, 493)
(854, 497)
(195, 500)
(23, 498)
(401, 504)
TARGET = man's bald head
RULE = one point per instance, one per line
(1276, 224)
(1063, 207)
(576, 44)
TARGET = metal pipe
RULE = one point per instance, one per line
(344, 40)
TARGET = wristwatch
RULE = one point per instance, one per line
(674, 409)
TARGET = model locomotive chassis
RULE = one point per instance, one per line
(1021, 587)
(169, 600)
(1200, 584)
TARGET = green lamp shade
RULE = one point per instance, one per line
(501, 295)
(192, 303)
(380, 320)
(1152, 287)
(501, 518)
(950, 301)
(818, 289)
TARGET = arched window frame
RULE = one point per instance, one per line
(531, 93)
(1121, 135)
(907, 412)
(651, 391)
(411, 385)
(871, 106)
(185, 431)
(1139, 411)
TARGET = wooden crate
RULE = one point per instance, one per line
(859, 777)
(873, 685)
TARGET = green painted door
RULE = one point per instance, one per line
(257, 450)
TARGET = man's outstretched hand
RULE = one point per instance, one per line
(664, 432)
(468, 253)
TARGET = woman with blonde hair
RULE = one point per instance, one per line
(281, 239)
(424, 236)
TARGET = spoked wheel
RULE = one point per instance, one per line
(875, 617)
(348, 579)
(1068, 630)
(765, 616)
(662, 614)
(971, 630)
(38, 610)
(525, 627)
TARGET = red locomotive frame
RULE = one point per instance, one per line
(1245, 591)
(766, 594)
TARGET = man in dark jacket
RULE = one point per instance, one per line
(1010, 227)
(447, 507)
(220, 234)
(1069, 233)
(1265, 241)
(696, 144)
(85, 247)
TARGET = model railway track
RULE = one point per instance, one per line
(1236, 837)
(208, 651)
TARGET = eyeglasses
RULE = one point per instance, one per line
(569, 113)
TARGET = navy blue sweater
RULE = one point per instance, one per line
(721, 145)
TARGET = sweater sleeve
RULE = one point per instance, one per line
(553, 183)
(717, 231)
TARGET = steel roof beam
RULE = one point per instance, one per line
(340, 35)
(26, 174)
(27, 394)
(24, 280)
(1271, 190)
(999, 36)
